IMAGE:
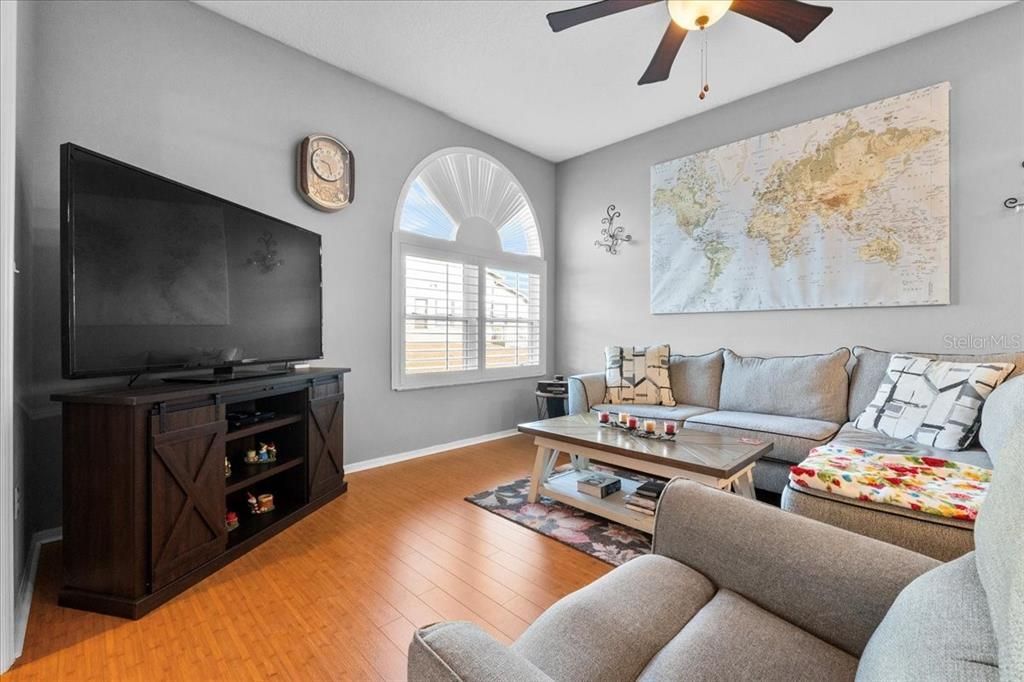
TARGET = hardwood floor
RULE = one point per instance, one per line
(338, 595)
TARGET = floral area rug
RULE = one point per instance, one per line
(610, 542)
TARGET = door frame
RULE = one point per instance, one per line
(9, 644)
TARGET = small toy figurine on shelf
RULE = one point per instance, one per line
(260, 505)
(231, 520)
(266, 503)
(227, 467)
(266, 454)
(251, 457)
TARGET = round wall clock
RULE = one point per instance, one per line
(326, 173)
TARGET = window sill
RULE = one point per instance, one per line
(441, 382)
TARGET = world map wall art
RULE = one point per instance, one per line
(846, 210)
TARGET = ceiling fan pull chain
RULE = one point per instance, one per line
(707, 58)
(704, 88)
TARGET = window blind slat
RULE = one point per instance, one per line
(512, 323)
(441, 303)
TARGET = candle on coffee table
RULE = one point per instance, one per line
(649, 425)
(623, 418)
(631, 422)
(670, 428)
(604, 417)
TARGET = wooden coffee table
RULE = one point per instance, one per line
(709, 458)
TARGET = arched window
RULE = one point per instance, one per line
(467, 275)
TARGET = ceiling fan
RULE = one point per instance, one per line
(795, 19)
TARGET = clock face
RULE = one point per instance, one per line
(328, 164)
(325, 173)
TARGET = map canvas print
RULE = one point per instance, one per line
(846, 210)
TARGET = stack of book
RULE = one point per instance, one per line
(640, 504)
(598, 485)
(645, 499)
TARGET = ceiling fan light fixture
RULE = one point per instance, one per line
(695, 15)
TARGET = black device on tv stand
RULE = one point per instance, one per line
(222, 375)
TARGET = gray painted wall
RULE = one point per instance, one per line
(982, 58)
(188, 94)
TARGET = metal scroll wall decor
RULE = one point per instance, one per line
(611, 234)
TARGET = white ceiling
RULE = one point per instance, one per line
(495, 64)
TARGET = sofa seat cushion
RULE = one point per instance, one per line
(961, 646)
(679, 413)
(771, 424)
(849, 435)
(934, 536)
(791, 437)
(733, 639)
(610, 629)
(879, 508)
(931, 485)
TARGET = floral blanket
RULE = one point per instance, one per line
(925, 484)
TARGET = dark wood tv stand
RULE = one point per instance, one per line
(145, 492)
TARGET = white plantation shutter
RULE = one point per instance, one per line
(465, 309)
(464, 184)
(512, 318)
(441, 316)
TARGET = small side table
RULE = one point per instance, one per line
(552, 398)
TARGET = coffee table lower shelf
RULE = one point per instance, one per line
(562, 487)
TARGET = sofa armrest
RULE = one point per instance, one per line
(462, 652)
(585, 391)
(835, 584)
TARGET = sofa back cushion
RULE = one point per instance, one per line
(807, 386)
(1001, 416)
(696, 379)
(999, 541)
(868, 369)
(965, 649)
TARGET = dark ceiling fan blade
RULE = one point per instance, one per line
(668, 48)
(795, 19)
(567, 18)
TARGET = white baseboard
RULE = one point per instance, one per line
(28, 583)
(424, 452)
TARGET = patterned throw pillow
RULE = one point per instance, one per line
(638, 375)
(934, 402)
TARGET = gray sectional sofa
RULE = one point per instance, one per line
(799, 403)
(739, 590)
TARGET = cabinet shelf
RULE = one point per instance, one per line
(251, 525)
(244, 475)
(261, 427)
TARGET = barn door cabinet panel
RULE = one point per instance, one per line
(186, 498)
(326, 433)
(146, 490)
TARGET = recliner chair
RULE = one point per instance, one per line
(738, 590)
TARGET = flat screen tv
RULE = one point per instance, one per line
(159, 277)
